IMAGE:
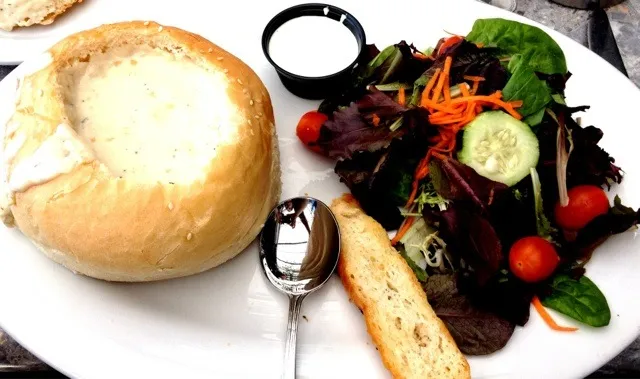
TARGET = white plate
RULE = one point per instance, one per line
(229, 322)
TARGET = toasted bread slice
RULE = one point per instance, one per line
(412, 340)
(28, 12)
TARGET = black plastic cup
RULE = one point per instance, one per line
(322, 86)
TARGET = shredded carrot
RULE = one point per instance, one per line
(447, 108)
(444, 77)
(548, 319)
(447, 91)
(375, 120)
(412, 196)
(480, 45)
(491, 100)
(449, 42)
(449, 116)
(445, 120)
(455, 109)
(439, 156)
(471, 110)
(474, 89)
(421, 56)
(423, 168)
(404, 228)
(465, 91)
(474, 78)
(401, 97)
(429, 87)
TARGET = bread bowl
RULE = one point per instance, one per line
(31, 12)
(155, 154)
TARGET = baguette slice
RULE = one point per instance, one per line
(412, 340)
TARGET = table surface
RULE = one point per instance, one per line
(625, 19)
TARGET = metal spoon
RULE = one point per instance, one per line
(299, 250)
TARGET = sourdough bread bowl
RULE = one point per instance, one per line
(24, 13)
(139, 152)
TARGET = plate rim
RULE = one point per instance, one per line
(587, 368)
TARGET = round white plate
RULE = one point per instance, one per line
(229, 322)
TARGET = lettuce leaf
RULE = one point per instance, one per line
(579, 299)
(456, 181)
(477, 331)
(525, 85)
(512, 37)
(471, 237)
(351, 129)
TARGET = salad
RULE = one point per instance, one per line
(497, 191)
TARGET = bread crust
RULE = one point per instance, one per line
(354, 224)
(116, 229)
(45, 15)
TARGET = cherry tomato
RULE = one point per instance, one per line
(533, 259)
(586, 202)
(308, 129)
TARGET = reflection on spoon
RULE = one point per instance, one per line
(299, 250)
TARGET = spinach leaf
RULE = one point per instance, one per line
(536, 118)
(476, 331)
(525, 85)
(558, 98)
(579, 299)
(512, 37)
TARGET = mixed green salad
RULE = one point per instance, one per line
(497, 191)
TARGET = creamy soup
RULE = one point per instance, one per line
(149, 114)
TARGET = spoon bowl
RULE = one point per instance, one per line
(299, 251)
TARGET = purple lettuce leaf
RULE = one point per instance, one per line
(458, 182)
(352, 129)
(477, 331)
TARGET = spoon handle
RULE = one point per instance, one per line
(295, 301)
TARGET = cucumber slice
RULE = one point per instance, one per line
(499, 147)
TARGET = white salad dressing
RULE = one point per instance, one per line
(151, 115)
(313, 46)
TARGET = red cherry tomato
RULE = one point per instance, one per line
(308, 129)
(586, 202)
(533, 259)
